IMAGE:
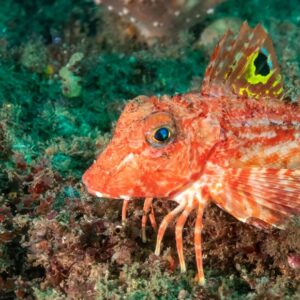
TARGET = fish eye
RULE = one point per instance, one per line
(162, 134)
(160, 129)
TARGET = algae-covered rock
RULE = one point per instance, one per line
(34, 56)
(214, 31)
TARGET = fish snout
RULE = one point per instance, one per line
(94, 181)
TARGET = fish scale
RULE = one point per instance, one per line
(267, 144)
(234, 143)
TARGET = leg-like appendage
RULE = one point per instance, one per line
(165, 222)
(147, 207)
(124, 210)
(152, 219)
(178, 232)
(198, 246)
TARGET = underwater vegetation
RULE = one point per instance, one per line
(67, 69)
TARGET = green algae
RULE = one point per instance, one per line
(71, 86)
(152, 285)
(256, 11)
(49, 294)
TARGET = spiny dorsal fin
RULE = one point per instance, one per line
(245, 67)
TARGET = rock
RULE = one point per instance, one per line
(213, 32)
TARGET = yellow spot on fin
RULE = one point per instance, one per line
(245, 67)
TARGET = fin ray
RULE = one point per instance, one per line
(246, 67)
(268, 195)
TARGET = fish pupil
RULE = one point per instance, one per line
(162, 134)
(261, 64)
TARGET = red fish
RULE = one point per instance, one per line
(235, 143)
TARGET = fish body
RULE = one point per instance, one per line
(151, 23)
(235, 143)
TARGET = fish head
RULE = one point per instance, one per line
(159, 145)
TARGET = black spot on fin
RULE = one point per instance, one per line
(261, 64)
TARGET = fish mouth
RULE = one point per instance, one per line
(85, 180)
(101, 194)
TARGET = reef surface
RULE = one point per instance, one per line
(67, 68)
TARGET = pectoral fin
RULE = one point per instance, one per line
(259, 195)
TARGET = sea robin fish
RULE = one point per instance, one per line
(235, 143)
